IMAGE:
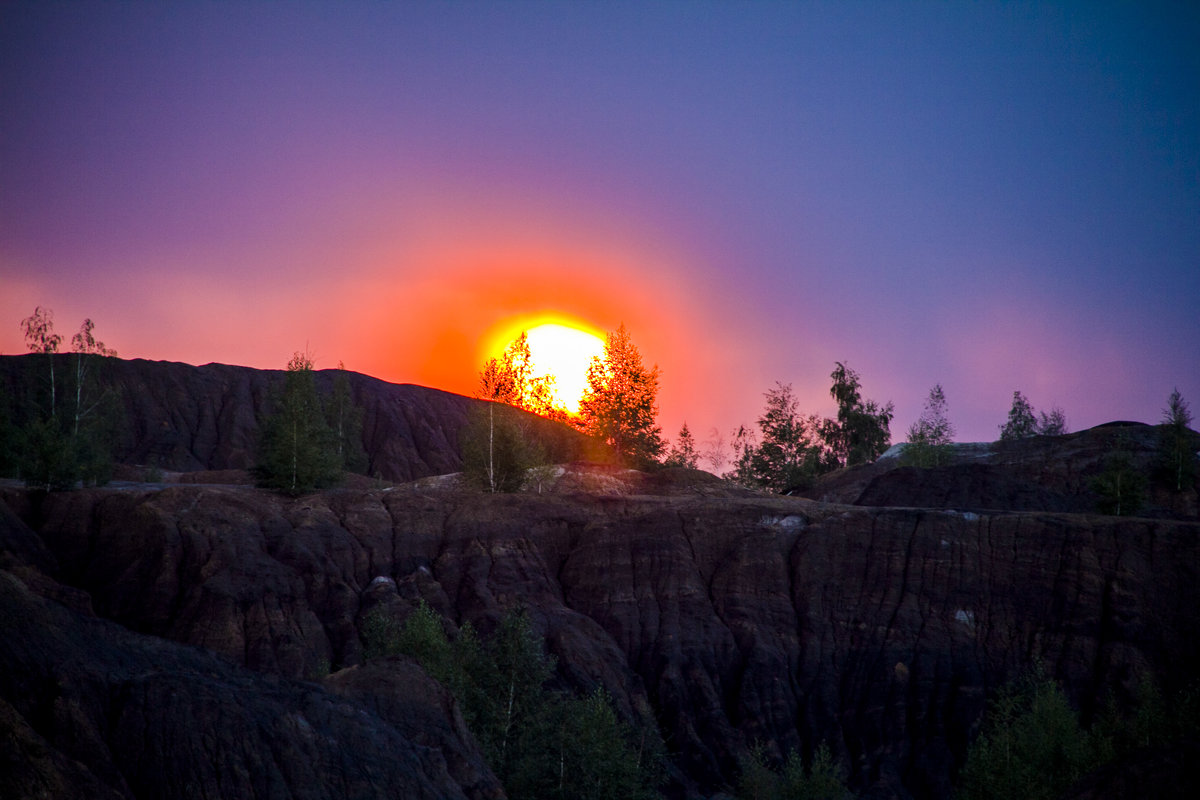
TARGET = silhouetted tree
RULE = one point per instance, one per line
(344, 417)
(41, 338)
(297, 450)
(1121, 486)
(1177, 444)
(1021, 421)
(714, 451)
(745, 444)
(789, 452)
(620, 401)
(861, 432)
(66, 438)
(930, 439)
(683, 451)
(1052, 424)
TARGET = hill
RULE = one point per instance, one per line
(203, 640)
(1039, 473)
(180, 418)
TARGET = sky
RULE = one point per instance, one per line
(990, 196)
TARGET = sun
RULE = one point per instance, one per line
(564, 352)
(560, 347)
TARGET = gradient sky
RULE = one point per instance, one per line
(989, 196)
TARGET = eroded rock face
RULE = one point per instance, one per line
(719, 620)
(91, 710)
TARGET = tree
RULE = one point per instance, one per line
(619, 403)
(61, 443)
(861, 432)
(297, 451)
(41, 338)
(714, 451)
(819, 780)
(1031, 745)
(597, 746)
(344, 418)
(539, 742)
(1121, 486)
(745, 444)
(789, 451)
(930, 439)
(1021, 422)
(1052, 424)
(510, 379)
(683, 451)
(85, 346)
(496, 452)
(1176, 444)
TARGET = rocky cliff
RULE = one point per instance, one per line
(718, 618)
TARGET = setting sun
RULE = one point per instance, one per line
(562, 351)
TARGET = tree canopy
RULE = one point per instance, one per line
(1023, 421)
(510, 379)
(861, 432)
(1177, 444)
(683, 450)
(931, 436)
(298, 451)
(67, 428)
(620, 402)
(790, 453)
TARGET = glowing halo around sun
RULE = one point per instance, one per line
(561, 349)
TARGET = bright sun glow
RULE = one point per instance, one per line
(565, 353)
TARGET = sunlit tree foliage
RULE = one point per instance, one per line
(620, 402)
(510, 379)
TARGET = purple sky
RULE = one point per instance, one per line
(989, 196)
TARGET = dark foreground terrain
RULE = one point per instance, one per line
(206, 641)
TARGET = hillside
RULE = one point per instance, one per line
(177, 417)
(201, 640)
(1040, 473)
